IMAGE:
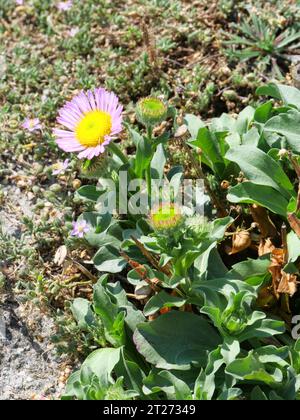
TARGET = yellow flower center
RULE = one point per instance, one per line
(93, 128)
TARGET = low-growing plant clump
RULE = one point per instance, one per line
(191, 307)
(150, 193)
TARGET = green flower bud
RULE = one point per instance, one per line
(166, 217)
(151, 111)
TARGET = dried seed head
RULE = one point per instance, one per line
(76, 184)
(225, 185)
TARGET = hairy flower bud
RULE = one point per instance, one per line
(151, 111)
(166, 217)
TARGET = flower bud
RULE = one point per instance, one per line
(166, 217)
(151, 111)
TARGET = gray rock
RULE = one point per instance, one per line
(28, 368)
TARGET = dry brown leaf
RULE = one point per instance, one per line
(240, 241)
(294, 223)
(287, 284)
(181, 131)
(261, 217)
(266, 298)
(282, 282)
(60, 255)
(265, 247)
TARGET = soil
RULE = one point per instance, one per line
(29, 367)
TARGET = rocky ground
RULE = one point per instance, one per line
(29, 367)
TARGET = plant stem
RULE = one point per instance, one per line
(114, 148)
(148, 170)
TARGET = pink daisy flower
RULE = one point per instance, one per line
(20, 2)
(60, 167)
(65, 5)
(32, 124)
(80, 228)
(93, 120)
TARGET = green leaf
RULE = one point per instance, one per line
(244, 119)
(272, 354)
(73, 387)
(258, 395)
(261, 169)
(143, 156)
(136, 137)
(219, 227)
(194, 124)
(111, 315)
(224, 124)
(206, 142)
(82, 312)
(175, 178)
(158, 162)
(133, 315)
(230, 350)
(233, 139)
(162, 300)
(176, 340)
(251, 369)
(230, 394)
(101, 363)
(267, 197)
(287, 125)
(293, 243)
(263, 112)
(104, 306)
(98, 224)
(251, 138)
(89, 192)
(182, 390)
(108, 260)
(250, 268)
(263, 328)
(288, 94)
(209, 265)
(131, 372)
